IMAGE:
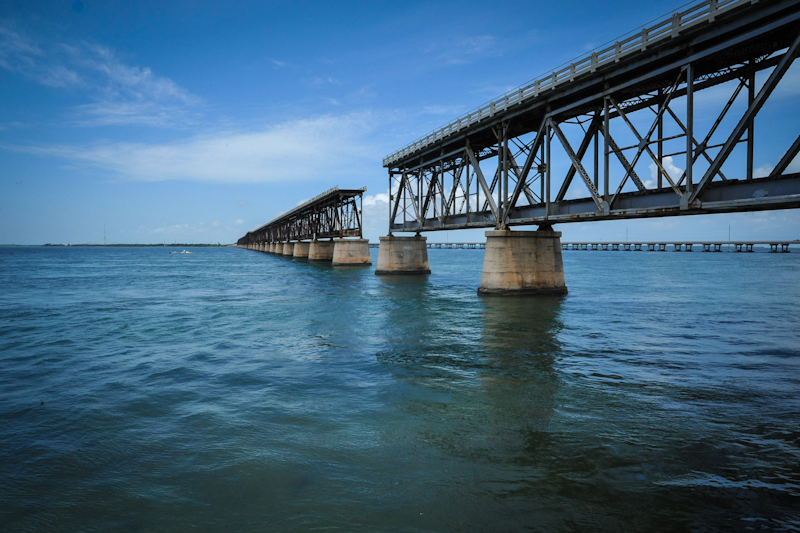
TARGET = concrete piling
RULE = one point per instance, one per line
(300, 249)
(403, 255)
(320, 250)
(523, 262)
(288, 248)
(351, 252)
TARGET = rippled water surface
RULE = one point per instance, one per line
(231, 390)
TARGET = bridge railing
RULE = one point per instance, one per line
(668, 26)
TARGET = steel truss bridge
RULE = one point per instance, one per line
(334, 213)
(617, 134)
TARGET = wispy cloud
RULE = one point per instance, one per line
(325, 147)
(463, 51)
(119, 93)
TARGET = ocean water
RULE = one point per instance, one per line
(231, 390)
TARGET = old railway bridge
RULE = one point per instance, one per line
(612, 135)
(580, 143)
(333, 215)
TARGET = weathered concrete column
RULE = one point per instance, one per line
(300, 249)
(523, 262)
(347, 252)
(320, 250)
(403, 255)
(273, 248)
(288, 248)
(262, 247)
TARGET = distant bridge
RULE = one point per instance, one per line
(678, 245)
(653, 246)
(601, 121)
(334, 213)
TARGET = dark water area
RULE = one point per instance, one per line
(231, 390)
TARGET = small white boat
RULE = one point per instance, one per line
(174, 252)
(185, 252)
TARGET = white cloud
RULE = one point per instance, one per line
(120, 93)
(763, 171)
(375, 210)
(326, 147)
(372, 200)
(673, 171)
(239, 221)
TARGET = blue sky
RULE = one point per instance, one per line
(196, 121)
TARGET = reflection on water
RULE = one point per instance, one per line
(525, 324)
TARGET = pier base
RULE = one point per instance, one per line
(271, 248)
(320, 250)
(300, 249)
(288, 248)
(523, 262)
(351, 252)
(403, 255)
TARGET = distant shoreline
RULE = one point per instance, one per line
(176, 245)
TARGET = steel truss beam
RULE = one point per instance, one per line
(445, 186)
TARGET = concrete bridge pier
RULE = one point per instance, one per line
(320, 250)
(351, 252)
(288, 248)
(523, 262)
(403, 255)
(301, 249)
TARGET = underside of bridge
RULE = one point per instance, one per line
(661, 122)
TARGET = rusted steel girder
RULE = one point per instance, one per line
(336, 213)
(579, 144)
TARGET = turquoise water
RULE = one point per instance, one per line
(231, 390)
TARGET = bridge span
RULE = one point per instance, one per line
(335, 215)
(578, 143)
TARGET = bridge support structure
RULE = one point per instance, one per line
(351, 252)
(288, 248)
(320, 250)
(523, 262)
(403, 255)
(301, 249)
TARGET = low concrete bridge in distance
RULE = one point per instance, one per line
(578, 143)
(678, 245)
(335, 215)
(652, 246)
